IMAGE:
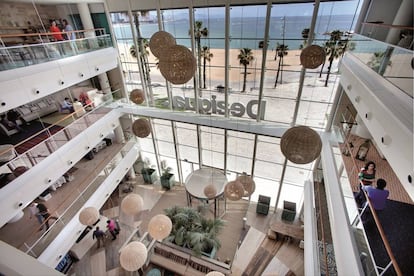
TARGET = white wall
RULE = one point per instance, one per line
(387, 113)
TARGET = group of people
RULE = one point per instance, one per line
(377, 195)
(57, 33)
(100, 235)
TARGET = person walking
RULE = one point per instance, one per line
(34, 212)
(44, 211)
(99, 235)
(111, 225)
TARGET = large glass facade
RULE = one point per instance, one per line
(271, 78)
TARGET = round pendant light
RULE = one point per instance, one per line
(301, 144)
(214, 273)
(141, 128)
(312, 56)
(234, 190)
(133, 256)
(132, 204)
(248, 184)
(137, 96)
(88, 216)
(210, 191)
(160, 227)
(160, 42)
(178, 65)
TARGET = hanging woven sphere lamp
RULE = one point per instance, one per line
(214, 273)
(132, 204)
(210, 191)
(248, 184)
(301, 144)
(234, 190)
(137, 96)
(159, 227)
(312, 56)
(88, 216)
(178, 65)
(160, 42)
(133, 256)
(141, 128)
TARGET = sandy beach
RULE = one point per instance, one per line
(215, 73)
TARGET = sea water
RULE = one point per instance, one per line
(247, 32)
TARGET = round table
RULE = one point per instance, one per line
(154, 272)
(196, 182)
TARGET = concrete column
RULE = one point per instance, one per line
(403, 17)
(86, 19)
(104, 82)
(119, 135)
(360, 129)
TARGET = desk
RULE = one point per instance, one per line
(196, 182)
(291, 229)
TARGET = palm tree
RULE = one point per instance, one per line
(142, 53)
(281, 51)
(245, 57)
(335, 48)
(190, 229)
(207, 56)
(199, 32)
(305, 36)
(377, 60)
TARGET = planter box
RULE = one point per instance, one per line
(167, 181)
(149, 175)
(211, 255)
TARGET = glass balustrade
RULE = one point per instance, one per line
(354, 214)
(41, 145)
(35, 245)
(392, 62)
(24, 55)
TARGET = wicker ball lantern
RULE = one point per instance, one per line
(159, 227)
(132, 204)
(301, 144)
(160, 42)
(137, 96)
(210, 191)
(248, 184)
(312, 56)
(178, 65)
(141, 128)
(234, 190)
(214, 273)
(133, 256)
(88, 216)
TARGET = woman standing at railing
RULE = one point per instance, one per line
(57, 35)
(366, 178)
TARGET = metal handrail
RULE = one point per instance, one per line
(378, 224)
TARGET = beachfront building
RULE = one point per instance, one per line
(248, 89)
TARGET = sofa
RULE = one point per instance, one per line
(34, 110)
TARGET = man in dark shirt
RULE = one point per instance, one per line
(99, 235)
(44, 211)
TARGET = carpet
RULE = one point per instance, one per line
(398, 224)
(36, 139)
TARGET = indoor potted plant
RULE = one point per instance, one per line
(193, 231)
(167, 178)
(148, 173)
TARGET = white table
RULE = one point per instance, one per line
(196, 182)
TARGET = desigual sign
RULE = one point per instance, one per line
(218, 107)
